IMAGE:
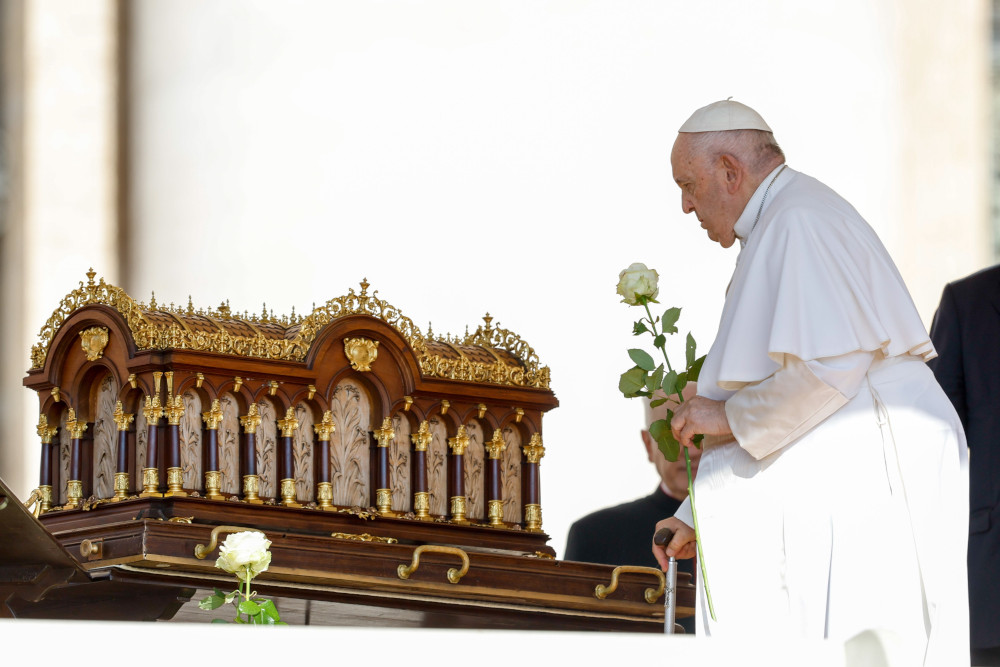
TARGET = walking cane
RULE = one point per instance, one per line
(662, 538)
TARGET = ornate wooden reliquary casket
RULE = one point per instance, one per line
(389, 468)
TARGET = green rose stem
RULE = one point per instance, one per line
(687, 461)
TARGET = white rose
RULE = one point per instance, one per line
(636, 281)
(242, 550)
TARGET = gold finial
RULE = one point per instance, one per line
(190, 308)
(152, 301)
(430, 330)
(90, 276)
(263, 313)
(364, 286)
(488, 320)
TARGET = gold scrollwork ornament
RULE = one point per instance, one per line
(93, 341)
(361, 352)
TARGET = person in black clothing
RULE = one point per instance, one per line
(966, 334)
(623, 535)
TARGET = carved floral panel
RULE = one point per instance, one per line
(141, 442)
(229, 444)
(474, 472)
(350, 460)
(64, 453)
(302, 453)
(399, 464)
(511, 473)
(437, 460)
(267, 448)
(105, 439)
(190, 439)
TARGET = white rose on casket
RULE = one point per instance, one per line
(243, 550)
(638, 281)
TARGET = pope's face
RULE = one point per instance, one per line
(704, 192)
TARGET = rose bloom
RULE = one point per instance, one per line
(636, 281)
(242, 550)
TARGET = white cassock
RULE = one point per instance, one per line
(842, 505)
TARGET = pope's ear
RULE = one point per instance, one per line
(651, 447)
(733, 171)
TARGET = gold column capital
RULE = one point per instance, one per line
(122, 418)
(460, 442)
(386, 434)
(76, 428)
(152, 410)
(288, 424)
(534, 450)
(45, 431)
(325, 428)
(174, 410)
(496, 446)
(422, 438)
(213, 417)
(251, 420)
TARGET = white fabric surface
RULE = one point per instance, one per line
(828, 536)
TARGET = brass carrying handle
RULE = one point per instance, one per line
(652, 594)
(454, 575)
(202, 550)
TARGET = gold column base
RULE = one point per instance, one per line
(496, 513)
(150, 483)
(45, 502)
(422, 505)
(458, 506)
(74, 494)
(383, 501)
(533, 518)
(175, 483)
(251, 486)
(324, 496)
(288, 493)
(213, 485)
(121, 486)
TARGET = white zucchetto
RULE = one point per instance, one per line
(724, 115)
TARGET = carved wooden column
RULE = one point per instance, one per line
(421, 498)
(383, 487)
(213, 478)
(494, 452)
(459, 502)
(174, 411)
(251, 480)
(122, 422)
(321, 460)
(46, 433)
(533, 452)
(74, 487)
(286, 458)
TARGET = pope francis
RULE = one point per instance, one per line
(837, 500)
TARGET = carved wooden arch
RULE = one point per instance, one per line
(327, 350)
(372, 383)
(86, 383)
(68, 337)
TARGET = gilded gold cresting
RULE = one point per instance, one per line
(301, 333)
(93, 341)
(289, 424)
(422, 438)
(361, 352)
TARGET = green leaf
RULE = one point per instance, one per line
(249, 607)
(655, 379)
(660, 341)
(682, 381)
(695, 370)
(657, 402)
(670, 383)
(689, 350)
(267, 606)
(632, 381)
(670, 317)
(212, 602)
(639, 328)
(697, 440)
(642, 359)
(660, 432)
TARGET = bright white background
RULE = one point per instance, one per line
(510, 157)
